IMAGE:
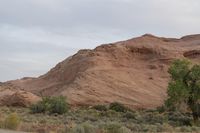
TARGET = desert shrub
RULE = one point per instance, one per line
(83, 128)
(58, 105)
(42, 106)
(161, 109)
(51, 104)
(37, 108)
(118, 107)
(148, 128)
(110, 114)
(78, 129)
(124, 130)
(1, 124)
(130, 115)
(143, 128)
(185, 129)
(133, 127)
(88, 128)
(195, 129)
(100, 107)
(1, 121)
(91, 118)
(12, 121)
(165, 127)
(151, 118)
(156, 127)
(112, 127)
(179, 119)
(149, 110)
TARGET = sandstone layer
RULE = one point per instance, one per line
(132, 72)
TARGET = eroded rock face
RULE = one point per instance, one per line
(19, 98)
(133, 72)
(192, 54)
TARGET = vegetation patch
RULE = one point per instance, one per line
(100, 107)
(52, 105)
(12, 121)
(184, 88)
(118, 107)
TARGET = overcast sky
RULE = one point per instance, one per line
(37, 34)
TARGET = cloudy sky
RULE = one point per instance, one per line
(37, 34)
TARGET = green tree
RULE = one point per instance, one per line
(184, 87)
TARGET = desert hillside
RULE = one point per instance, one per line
(132, 72)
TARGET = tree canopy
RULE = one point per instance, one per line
(184, 87)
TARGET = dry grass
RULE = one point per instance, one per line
(86, 120)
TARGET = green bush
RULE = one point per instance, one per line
(58, 105)
(38, 108)
(179, 119)
(130, 115)
(151, 118)
(51, 105)
(183, 88)
(109, 114)
(160, 109)
(100, 107)
(12, 121)
(42, 106)
(118, 107)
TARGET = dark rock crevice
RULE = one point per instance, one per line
(192, 54)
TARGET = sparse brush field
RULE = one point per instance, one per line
(98, 119)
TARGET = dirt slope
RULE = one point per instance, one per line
(133, 72)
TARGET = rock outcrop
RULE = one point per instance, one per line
(19, 98)
(132, 72)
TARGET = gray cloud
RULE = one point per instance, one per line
(36, 34)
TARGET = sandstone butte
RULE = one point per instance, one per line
(132, 72)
